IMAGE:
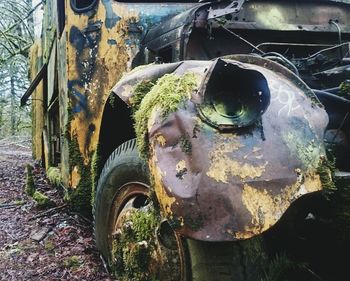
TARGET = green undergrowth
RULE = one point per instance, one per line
(72, 262)
(54, 176)
(167, 95)
(132, 247)
(42, 200)
(345, 89)
(30, 185)
(340, 206)
(281, 268)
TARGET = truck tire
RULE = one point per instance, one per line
(134, 241)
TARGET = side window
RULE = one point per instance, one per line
(81, 6)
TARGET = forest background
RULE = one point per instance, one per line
(20, 26)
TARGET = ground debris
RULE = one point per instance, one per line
(40, 234)
(36, 244)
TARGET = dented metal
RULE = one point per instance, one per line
(237, 183)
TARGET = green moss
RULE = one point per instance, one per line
(153, 196)
(96, 168)
(326, 170)
(70, 117)
(80, 197)
(112, 99)
(186, 145)
(345, 89)
(140, 91)
(133, 247)
(49, 245)
(30, 185)
(307, 151)
(166, 95)
(54, 176)
(42, 200)
(72, 262)
(340, 206)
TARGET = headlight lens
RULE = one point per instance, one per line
(234, 96)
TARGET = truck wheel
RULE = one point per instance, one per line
(130, 234)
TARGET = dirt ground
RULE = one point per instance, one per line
(41, 244)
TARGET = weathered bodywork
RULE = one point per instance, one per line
(87, 51)
(216, 177)
(233, 182)
(84, 53)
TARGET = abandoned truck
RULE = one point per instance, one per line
(208, 139)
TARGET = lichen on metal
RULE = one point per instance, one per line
(166, 96)
(224, 165)
(165, 200)
(266, 208)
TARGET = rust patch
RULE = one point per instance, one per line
(266, 209)
(161, 140)
(223, 166)
(75, 177)
(164, 199)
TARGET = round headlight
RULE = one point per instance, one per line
(234, 96)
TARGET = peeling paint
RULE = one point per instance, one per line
(308, 154)
(266, 209)
(181, 165)
(161, 140)
(75, 177)
(165, 200)
(223, 166)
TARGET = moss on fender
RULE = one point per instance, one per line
(140, 91)
(166, 95)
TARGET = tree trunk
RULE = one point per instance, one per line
(13, 105)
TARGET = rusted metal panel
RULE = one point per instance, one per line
(235, 184)
(101, 46)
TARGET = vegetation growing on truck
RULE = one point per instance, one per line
(54, 176)
(167, 95)
(133, 245)
(30, 185)
(80, 195)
